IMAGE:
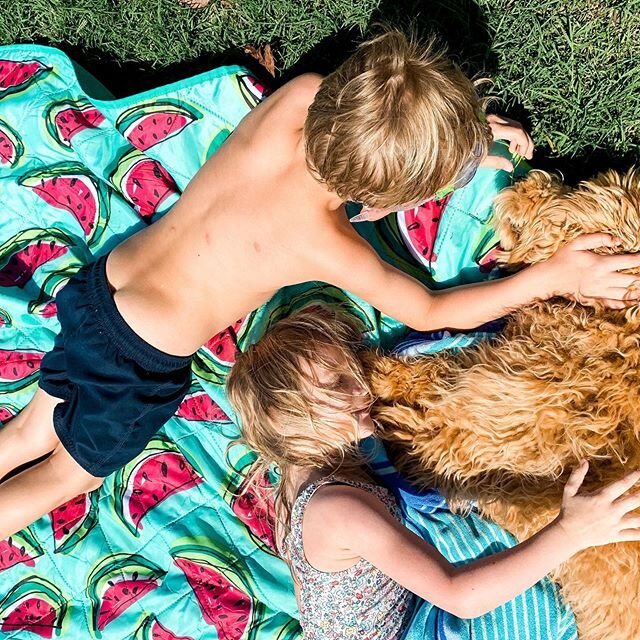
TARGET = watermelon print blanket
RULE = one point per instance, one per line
(170, 547)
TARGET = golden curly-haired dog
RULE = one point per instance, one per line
(503, 422)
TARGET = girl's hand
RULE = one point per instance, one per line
(579, 273)
(599, 517)
(520, 142)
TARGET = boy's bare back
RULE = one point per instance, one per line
(252, 220)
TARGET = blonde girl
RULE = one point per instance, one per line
(304, 407)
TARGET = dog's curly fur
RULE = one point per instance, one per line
(503, 422)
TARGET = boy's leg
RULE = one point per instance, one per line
(30, 434)
(31, 494)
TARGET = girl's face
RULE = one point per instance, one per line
(343, 395)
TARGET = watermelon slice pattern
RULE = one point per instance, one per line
(221, 584)
(252, 503)
(223, 346)
(15, 365)
(161, 471)
(67, 118)
(22, 547)
(35, 605)
(116, 583)
(419, 228)
(49, 310)
(20, 267)
(213, 360)
(5, 319)
(11, 146)
(7, 411)
(252, 90)
(223, 605)
(24, 253)
(53, 282)
(486, 253)
(151, 629)
(144, 183)
(18, 369)
(16, 76)
(34, 615)
(148, 124)
(199, 406)
(72, 521)
(67, 186)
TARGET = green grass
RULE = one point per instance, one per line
(569, 68)
(574, 66)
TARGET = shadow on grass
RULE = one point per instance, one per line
(459, 24)
(587, 165)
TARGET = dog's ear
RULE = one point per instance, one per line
(529, 220)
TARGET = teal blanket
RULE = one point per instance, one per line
(170, 546)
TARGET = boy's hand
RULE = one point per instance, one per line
(599, 517)
(579, 273)
(520, 142)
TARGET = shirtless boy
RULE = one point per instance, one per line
(391, 127)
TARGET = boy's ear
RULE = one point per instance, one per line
(529, 219)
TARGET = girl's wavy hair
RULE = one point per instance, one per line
(394, 124)
(287, 415)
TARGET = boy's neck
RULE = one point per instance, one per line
(326, 199)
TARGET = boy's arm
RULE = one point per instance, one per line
(362, 272)
(575, 270)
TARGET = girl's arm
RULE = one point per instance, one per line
(346, 519)
(573, 271)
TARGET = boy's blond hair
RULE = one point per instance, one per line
(282, 415)
(394, 124)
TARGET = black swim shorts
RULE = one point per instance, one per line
(117, 389)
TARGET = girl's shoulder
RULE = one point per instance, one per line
(322, 518)
(327, 504)
(335, 481)
(335, 496)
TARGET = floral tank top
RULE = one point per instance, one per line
(359, 602)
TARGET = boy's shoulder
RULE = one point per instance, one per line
(282, 113)
(304, 86)
(295, 96)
